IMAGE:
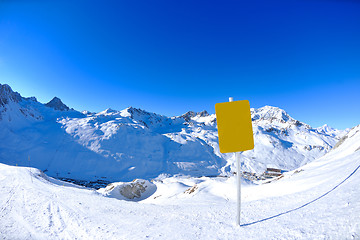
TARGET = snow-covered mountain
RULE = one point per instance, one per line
(317, 201)
(326, 129)
(133, 143)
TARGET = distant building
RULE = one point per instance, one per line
(273, 172)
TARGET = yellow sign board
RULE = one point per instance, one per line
(234, 126)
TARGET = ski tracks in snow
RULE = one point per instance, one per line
(30, 212)
(11, 193)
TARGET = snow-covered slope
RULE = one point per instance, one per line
(317, 201)
(123, 145)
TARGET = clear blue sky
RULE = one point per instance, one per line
(173, 56)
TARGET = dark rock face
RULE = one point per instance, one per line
(57, 104)
(203, 114)
(137, 111)
(31, 99)
(187, 116)
(7, 94)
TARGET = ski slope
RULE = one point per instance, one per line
(319, 200)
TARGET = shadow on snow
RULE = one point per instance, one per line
(308, 203)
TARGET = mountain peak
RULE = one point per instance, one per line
(57, 104)
(275, 115)
(138, 111)
(31, 99)
(7, 94)
(325, 128)
(271, 113)
(190, 114)
(202, 114)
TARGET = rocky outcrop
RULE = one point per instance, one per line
(190, 114)
(136, 190)
(7, 94)
(57, 104)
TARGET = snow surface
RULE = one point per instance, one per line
(320, 200)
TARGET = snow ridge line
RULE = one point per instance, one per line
(304, 205)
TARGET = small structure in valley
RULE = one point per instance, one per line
(273, 172)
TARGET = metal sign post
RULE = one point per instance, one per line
(238, 182)
(235, 135)
(238, 176)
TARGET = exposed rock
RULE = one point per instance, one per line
(190, 114)
(133, 190)
(340, 141)
(7, 94)
(136, 190)
(57, 104)
(31, 99)
(192, 189)
(311, 147)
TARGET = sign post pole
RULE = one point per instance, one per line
(238, 176)
(238, 182)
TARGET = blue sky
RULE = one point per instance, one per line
(169, 57)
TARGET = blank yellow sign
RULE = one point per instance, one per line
(234, 126)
